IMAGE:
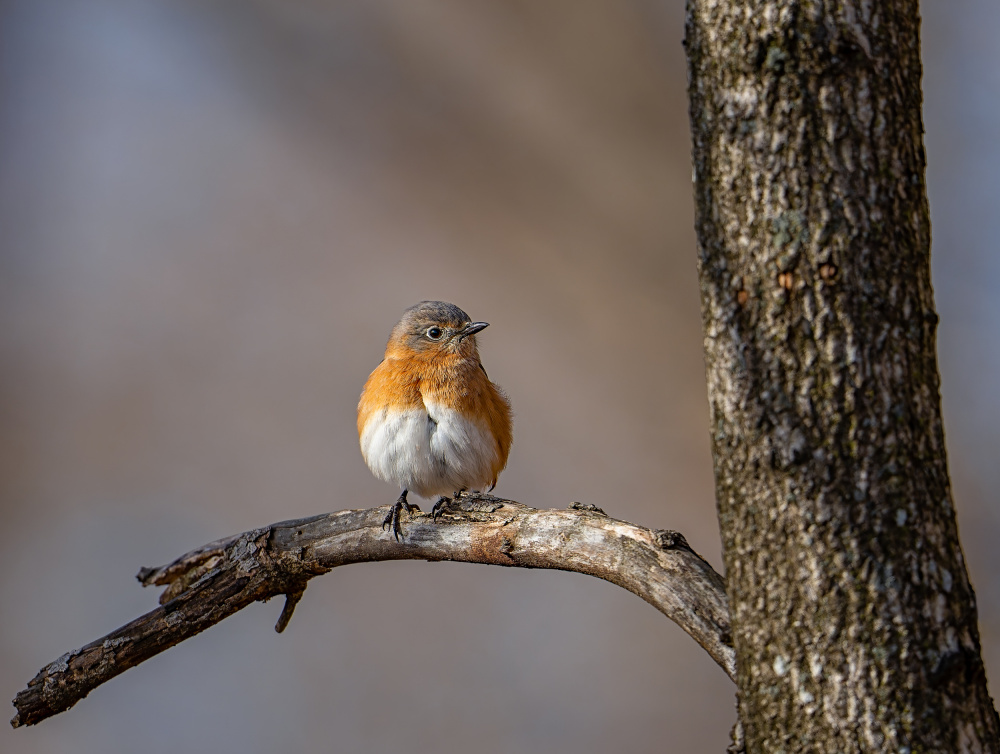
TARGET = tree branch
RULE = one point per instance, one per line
(220, 578)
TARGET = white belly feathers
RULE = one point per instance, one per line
(430, 451)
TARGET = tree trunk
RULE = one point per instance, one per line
(853, 617)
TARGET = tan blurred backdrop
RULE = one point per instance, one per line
(211, 215)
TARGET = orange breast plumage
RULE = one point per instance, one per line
(434, 426)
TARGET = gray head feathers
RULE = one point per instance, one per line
(437, 312)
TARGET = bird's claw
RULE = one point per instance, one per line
(440, 507)
(392, 517)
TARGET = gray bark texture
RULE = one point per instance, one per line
(853, 618)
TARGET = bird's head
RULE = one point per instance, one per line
(435, 328)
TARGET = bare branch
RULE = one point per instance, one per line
(218, 579)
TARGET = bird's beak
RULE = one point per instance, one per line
(471, 329)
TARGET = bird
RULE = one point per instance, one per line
(429, 419)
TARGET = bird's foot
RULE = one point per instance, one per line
(392, 517)
(474, 502)
(441, 506)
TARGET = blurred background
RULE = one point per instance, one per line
(213, 212)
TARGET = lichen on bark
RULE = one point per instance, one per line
(854, 620)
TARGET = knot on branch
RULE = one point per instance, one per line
(477, 502)
(668, 539)
(587, 507)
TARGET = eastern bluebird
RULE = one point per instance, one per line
(429, 418)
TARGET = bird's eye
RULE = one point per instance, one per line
(434, 333)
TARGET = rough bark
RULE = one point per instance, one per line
(854, 621)
(216, 580)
